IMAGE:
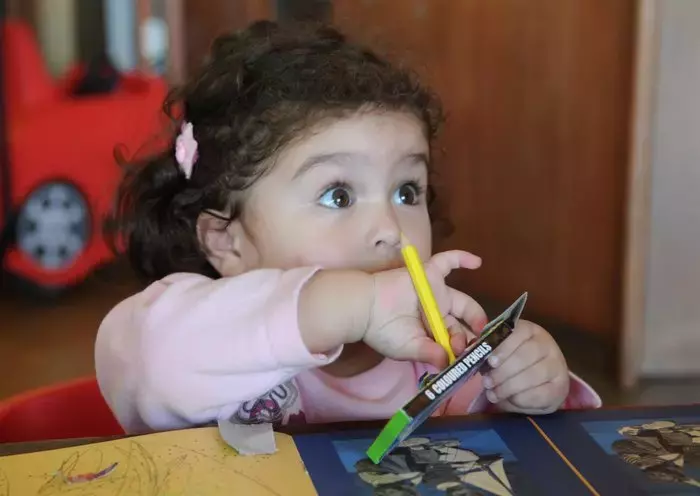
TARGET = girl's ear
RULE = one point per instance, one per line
(224, 243)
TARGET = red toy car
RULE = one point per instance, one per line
(59, 172)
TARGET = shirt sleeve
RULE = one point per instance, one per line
(189, 350)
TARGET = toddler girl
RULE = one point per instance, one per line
(269, 232)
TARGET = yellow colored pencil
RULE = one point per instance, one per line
(426, 296)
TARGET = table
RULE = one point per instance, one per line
(7, 449)
(29, 447)
(563, 453)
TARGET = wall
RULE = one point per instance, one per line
(205, 20)
(57, 33)
(120, 31)
(672, 343)
(90, 25)
(21, 9)
(534, 156)
(536, 145)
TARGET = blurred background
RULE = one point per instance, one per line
(570, 163)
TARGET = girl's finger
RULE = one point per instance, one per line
(459, 335)
(467, 309)
(423, 350)
(445, 262)
(522, 333)
(525, 356)
(536, 400)
(509, 406)
(536, 375)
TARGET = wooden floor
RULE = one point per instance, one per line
(44, 342)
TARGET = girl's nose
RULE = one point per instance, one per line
(386, 232)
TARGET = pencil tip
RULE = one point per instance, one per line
(404, 241)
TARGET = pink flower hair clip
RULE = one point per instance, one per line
(186, 149)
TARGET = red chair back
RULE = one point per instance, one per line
(69, 410)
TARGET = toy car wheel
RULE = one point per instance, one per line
(53, 226)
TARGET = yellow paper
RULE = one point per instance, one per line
(194, 461)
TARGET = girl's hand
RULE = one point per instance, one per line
(529, 373)
(396, 327)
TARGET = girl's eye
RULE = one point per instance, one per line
(336, 197)
(408, 194)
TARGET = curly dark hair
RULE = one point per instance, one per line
(258, 90)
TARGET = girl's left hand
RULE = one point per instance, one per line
(528, 372)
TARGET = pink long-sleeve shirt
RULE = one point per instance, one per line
(189, 350)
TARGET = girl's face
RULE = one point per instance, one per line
(339, 198)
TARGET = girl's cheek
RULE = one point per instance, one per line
(329, 256)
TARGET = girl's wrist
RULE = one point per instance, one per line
(335, 308)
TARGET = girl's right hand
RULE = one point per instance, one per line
(397, 327)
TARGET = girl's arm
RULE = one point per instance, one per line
(189, 349)
(334, 309)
